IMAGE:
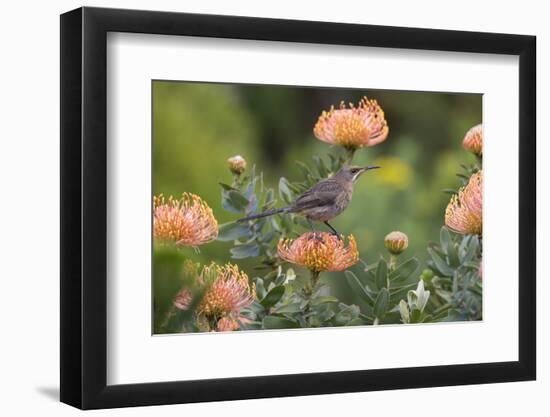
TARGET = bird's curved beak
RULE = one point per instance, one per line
(371, 167)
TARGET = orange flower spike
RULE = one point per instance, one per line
(464, 213)
(319, 252)
(188, 221)
(353, 127)
(229, 290)
(183, 299)
(227, 324)
(473, 140)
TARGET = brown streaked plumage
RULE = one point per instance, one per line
(325, 200)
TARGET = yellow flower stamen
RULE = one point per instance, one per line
(319, 252)
(464, 213)
(353, 127)
(188, 221)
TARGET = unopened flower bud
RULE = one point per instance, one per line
(237, 164)
(396, 242)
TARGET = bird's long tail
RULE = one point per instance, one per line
(264, 214)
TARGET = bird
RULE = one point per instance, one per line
(325, 200)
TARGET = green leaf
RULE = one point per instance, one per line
(428, 318)
(419, 297)
(238, 200)
(269, 199)
(463, 246)
(404, 311)
(304, 168)
(232, 231)
(399, 293)
(356, 322)
(381, 303)
(452, 254)
(290, 275)
(284, 191)
(416, 316)
(248, 250)
(323, 300)
(326, 315)
(250, 325)
(289, 308)
(449, 191)
(471, 250)
(405, 270)
(321, 167)
(382, 274)
(357, 287)
(276, 322)
(260, 289)
(445, 239)
(347, 314)
(227, 187)
(234, 201)
(273, 296)
(440, 264)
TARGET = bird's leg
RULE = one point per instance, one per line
(310, 223)
(333, 229)
(313, 229)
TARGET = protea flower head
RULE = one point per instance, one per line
(183, 299)
(188, 221)
(353, 127)
(228, 291)
(396, 242)
(227, 324)
(236, 164)
(319, 252)
(473, 141)
(464, 213)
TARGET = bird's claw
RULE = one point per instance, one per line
(317, 236)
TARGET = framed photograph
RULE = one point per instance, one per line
(258, 208)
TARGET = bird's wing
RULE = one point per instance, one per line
(323, 193)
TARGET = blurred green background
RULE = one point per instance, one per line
(197, 126)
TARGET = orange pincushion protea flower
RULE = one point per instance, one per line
(473, 141)
(464, 213)
(183, 299)
(228, 290)
(353, 127)
(319, 252)
(188, 221)
(227, 324)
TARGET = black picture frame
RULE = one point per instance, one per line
(84, 207)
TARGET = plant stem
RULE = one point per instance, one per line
(392, 263)
(309, 288)
(311, 284)
(314, 279)
(168, 317)
(350, 152)
(236, 181)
